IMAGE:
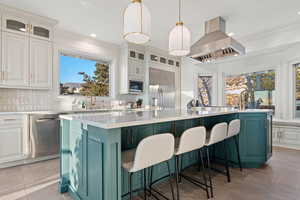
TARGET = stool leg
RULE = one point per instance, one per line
(150, 185)
(177, 175)
(238, 151)
(209, 173)
(130, 186)
(145, 184)
(226, 161)
(180, 166)
(170, 181)
(204, 173)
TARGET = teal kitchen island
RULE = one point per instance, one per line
(91, 145)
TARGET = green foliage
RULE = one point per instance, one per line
(98, 84)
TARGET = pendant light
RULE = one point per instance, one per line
(179, 38)
(137, 23)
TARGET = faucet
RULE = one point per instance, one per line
(242, 100)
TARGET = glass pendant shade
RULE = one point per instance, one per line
(179, 40)
(137, 23)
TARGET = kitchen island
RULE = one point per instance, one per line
(91, 145)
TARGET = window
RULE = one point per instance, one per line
(81, 76)
(297, 96)
(205, 90)
(260, 87)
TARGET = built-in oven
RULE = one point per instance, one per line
(136, 87)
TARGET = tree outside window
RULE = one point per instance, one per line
(297, 90)
(80, 76)
(260, 87)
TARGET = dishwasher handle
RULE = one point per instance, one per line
(47, 119)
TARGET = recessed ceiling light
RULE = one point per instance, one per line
(231, 34)
(298, 12)
(93, 35)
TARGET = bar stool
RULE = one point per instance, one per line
(150, 151)
(216, 135)
(233, 131)
(191, 139)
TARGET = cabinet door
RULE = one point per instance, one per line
(15, 64)
(253, 134)
(15, 24)
(40, 63)
(11, 144)
(40, 31)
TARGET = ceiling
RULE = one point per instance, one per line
(104, 18)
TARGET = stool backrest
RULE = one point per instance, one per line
(218, 133)
(191, 139)
(234, 127)
(153, 150)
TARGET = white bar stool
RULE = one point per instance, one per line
(150, 151)
(190, 140)
(216, 135)
(233, 131)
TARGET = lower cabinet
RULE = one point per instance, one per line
(13, 143)
(255, 138)
(286, 136)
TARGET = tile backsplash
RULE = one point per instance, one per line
(25, 100)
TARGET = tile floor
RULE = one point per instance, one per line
(278, 180)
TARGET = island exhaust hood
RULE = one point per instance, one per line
(215, 44)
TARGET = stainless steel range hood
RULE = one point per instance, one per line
(215, 43)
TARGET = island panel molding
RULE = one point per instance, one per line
(91, 155)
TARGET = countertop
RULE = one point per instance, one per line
(59, 112)
(118, 119)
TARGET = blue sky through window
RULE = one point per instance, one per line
(70, 66)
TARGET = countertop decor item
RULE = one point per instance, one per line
(179, 38)
(137, 23)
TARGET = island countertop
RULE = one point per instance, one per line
(119, 119)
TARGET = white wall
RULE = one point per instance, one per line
(189, 74)
(276, 49)
(280, 59)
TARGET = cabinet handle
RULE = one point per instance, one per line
(9, 120)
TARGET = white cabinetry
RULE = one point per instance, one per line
(40, 63)
(26, 60)
(286, 136)
(13, 138)
(133, 66)
(15, 65)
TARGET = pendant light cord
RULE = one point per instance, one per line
(179, 9)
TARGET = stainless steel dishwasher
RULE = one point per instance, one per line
(44, 135)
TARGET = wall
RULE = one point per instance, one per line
(75, 44)
(280, 59)
(66, 42)
(276, 49)
(189, 75)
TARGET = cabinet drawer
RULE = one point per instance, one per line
(11, 120)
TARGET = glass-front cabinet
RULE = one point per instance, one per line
(40, 31)
(22, 26)
(15, 24)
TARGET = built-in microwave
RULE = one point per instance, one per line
(136, 87)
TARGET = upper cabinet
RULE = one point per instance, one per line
(15, 24)
(26, 50)
(132, 67)
(40, 63)
(15, 55)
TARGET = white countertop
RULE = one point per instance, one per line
(120, 119)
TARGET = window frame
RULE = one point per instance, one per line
(78, 54)
(294, 104)
(212, 87)
(259, 69)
